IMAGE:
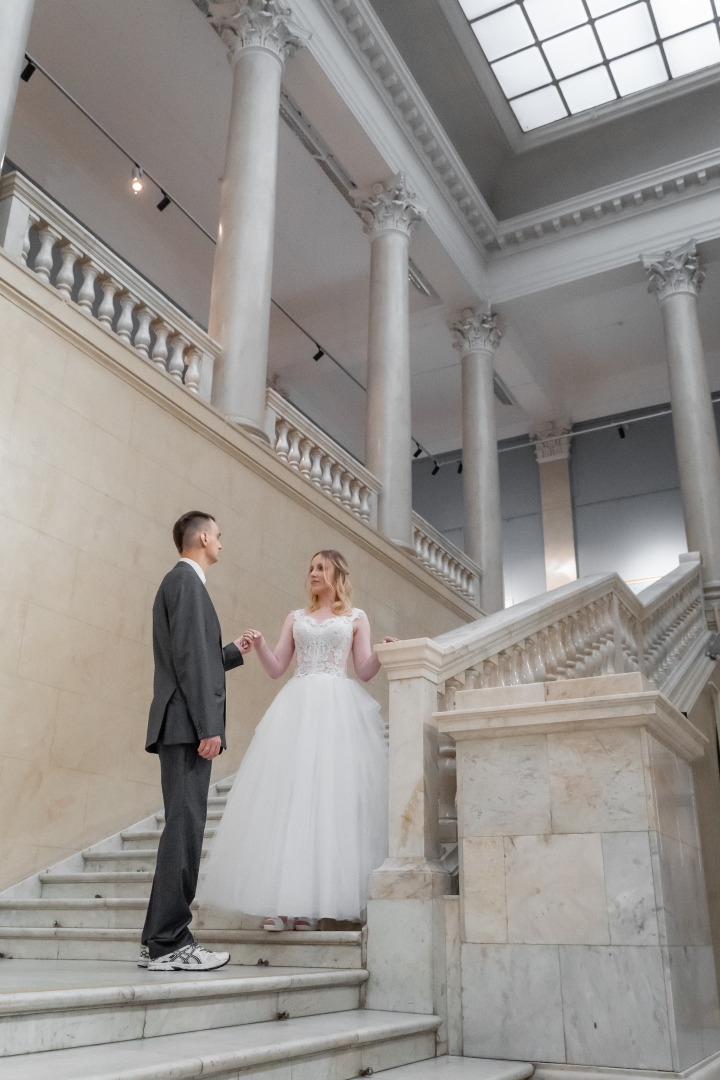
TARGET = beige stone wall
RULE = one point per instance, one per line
(99, 454)
(706, 775)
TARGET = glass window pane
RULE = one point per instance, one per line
(639, 70)
(587, 90)
(539, 108)
(601, 7)
(572, 52)
(474, 8)
(626, 30)
(550, 17)
(503, 33)
(672, 16)
(522, 72)
(694, 50)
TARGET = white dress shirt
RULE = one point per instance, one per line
(196, 567)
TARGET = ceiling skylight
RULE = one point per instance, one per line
(557, 58)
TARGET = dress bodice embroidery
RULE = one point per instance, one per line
(322, 648)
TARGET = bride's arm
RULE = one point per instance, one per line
(275, 661)
(365, 662)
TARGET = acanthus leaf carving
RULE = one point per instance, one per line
(677, 271)
(389, 206)
(473, 330)
(266, 24)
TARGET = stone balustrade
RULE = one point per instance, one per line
(445, 561)
(65, 255)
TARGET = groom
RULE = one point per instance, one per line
(187, 730)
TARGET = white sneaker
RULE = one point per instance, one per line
(191, 958)
(144, 957)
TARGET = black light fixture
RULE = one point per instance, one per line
(28, 71)
(319, 354)
(436, 468)
(621, 432)
(418, 452)
(459, 467)
(164, 202)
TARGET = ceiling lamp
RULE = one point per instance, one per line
(137, 181)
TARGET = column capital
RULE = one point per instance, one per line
(389, 206)
(677, 271)
(475, 330)
(263, 24)
(552, 441)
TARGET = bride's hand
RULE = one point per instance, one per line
(254, 638)
(387, 640)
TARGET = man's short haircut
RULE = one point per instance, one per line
(186, 527)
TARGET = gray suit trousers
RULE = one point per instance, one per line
(185, 781)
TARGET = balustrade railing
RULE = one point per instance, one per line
(447, 562)
(64, 254)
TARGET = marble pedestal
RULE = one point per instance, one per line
(584, 925)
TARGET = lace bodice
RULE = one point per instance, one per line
(322, 648)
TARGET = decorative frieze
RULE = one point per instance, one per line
(259, 24)
(677, 271)
(389, 206)
(475, 330)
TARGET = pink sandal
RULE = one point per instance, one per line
(277, 922)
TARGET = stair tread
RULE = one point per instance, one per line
(286, 937)
(100, 876)
(219, 1050)
(460, 1068)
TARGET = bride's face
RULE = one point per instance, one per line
(320, 571)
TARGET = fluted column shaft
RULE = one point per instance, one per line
(15, 18)
(259, 37)
(675, 279)
(389, 212)
(476, 337)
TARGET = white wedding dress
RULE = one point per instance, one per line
(306, 818)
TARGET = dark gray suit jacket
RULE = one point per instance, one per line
(190, 663)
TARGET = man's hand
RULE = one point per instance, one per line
(243, 643)
(210, 748)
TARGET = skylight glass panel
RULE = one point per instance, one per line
(588, 90)
(504, 32)
(639, 70)
(557, 58)
(694, 50)
(573, 52)
(550, 17)
(673, 16)
(539, 108)
(625, 30)
(521, 72)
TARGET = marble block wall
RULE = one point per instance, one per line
(99, 455)
(584, 919)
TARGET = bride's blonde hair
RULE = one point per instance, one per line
(337, 579)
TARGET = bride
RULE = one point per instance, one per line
(306, 818)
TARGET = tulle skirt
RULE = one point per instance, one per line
(306, 818)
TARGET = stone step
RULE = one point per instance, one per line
(340, 1045)
(122, 860)
(97, 885)
(311, 948)
(89, 1003)
(149, 838)
(212, 815)
(112, 912)
(461, 1068)
(217, 802)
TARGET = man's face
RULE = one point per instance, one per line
(212, 545)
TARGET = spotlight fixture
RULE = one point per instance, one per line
(164, 202)
(418, 452)
(28, 71)
(319, 354)
(621, 432)
(459, 467)
(436, 468)
(137, 181)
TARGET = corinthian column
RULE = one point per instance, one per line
(675, 279)
(260, 35)
(14, 29)
(389, 212)
(476, 337)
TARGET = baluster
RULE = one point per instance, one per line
(65, 280)
(525, 670)
(316, 467)
(160, 349)
(559, 649)
(422, 548)
(457, 682)
(345, 495)
(86, 296)
(355, 497)
(568, 644)
(128, 303)
(305, 463)
(106, 311)
(282, 445)
(192, 372)
(548, 653)
(505, 672)
(32, 223)
(490, 675)
(142, 335)
(176, 363)
(326, 480)
(516, 664)
(473, 678)
(536, 659)
(294, 454)
(336, 490)
(365, 496)
(44, 259)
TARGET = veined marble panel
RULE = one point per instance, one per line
(400, 960)
(556, 890)
(673, 793)
(482, 892)
(597, 782)
(682, 898)
(503, 787)
(512, 1003)
(615, 1006)
(453, 969)
(693, 994)
(630, 889)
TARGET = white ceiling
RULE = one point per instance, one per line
(155, 75)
